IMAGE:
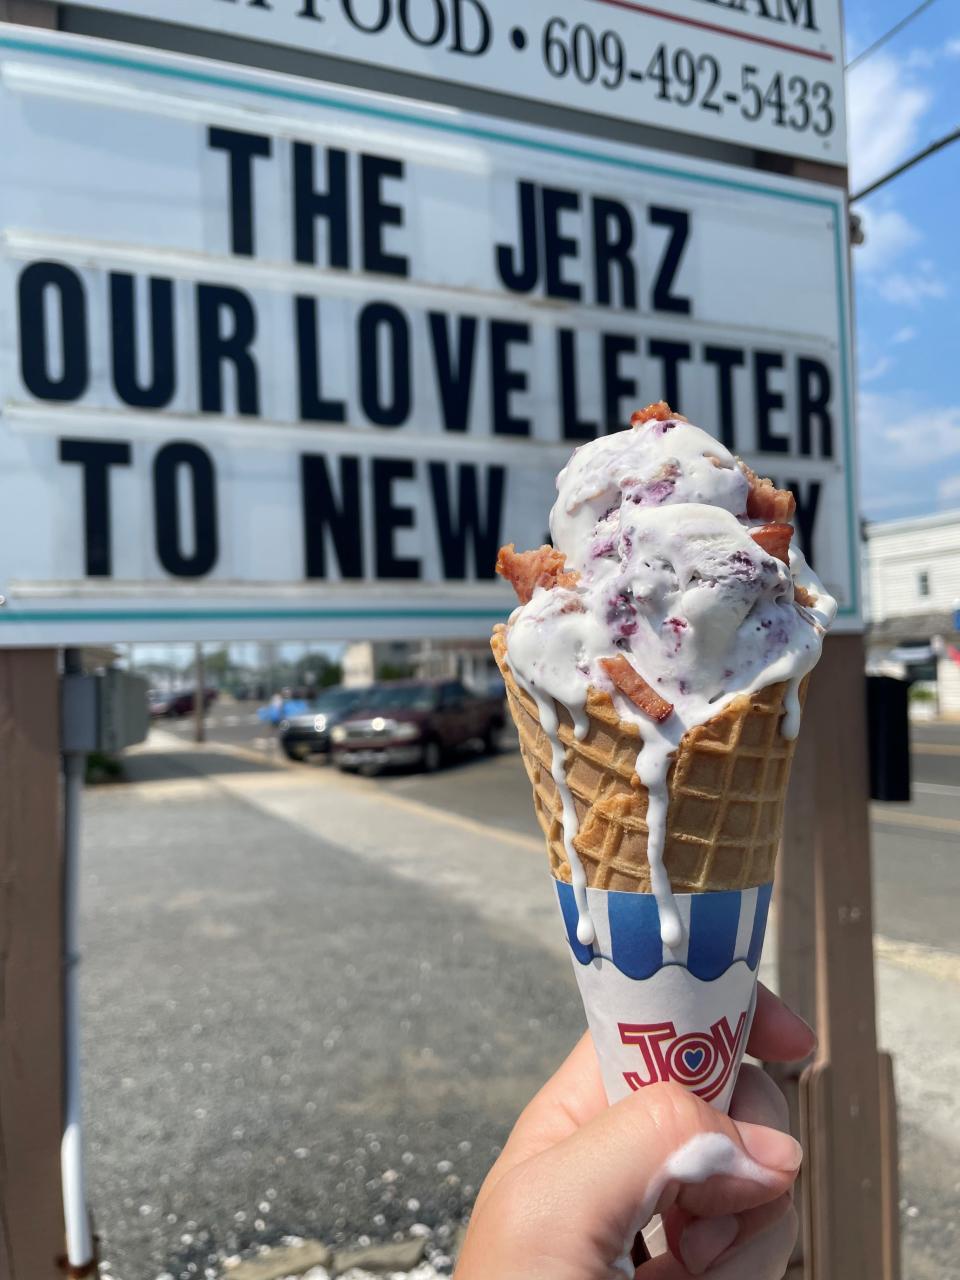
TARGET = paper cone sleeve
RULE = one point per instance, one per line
(727, 787)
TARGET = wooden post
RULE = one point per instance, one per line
(32, 13)
(31, 967)
(796, 946)
(847, 1112)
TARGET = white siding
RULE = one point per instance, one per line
(897, 554)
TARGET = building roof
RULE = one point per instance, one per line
(912, 627)
(939, 520)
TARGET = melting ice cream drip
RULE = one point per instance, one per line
(549, 722)
(652, 767)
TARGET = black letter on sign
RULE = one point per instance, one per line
(483, 32)
(726, 359)
(34, 356)
(454, 531)
(428, 39)
(612, 242)
(522, 277)
(123, 332)
(557, 247)
(241, 149)
(215, 347)
(393, 408)
(615, 386)
(574, 428)
(813, 394)
(308, 205)
(503, 379)
(170, 550)
(767, 401)
(313, 407)
(671, 354)
(807, 504)
(678, 220)
(378, 25)
(377, 215)
(96, 457)
(388, 517)
(453, 364)
(322, 513)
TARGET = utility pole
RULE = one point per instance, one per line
(199, 698)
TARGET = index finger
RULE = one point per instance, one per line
(778, 1034)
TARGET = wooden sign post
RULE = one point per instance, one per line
(843, 1103)
(31, 971)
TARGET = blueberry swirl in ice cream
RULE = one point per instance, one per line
(671, 586)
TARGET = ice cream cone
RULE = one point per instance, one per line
(657, 665)
(658, 1013)
(726, 792)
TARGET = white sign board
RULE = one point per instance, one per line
(279, 360)
(764, 73)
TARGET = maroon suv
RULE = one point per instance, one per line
(415, 722)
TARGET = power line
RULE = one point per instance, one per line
(907, 164)
(895, 30)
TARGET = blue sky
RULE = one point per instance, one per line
(907, 274)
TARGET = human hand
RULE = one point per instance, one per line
(578, 1179)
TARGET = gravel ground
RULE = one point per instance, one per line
(284, 1040)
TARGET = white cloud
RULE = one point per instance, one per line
(876, 370)
(952, 48)
(911, 290)
(884, 108)
(948, 492)
(906, 334)
(886, 234)
(905, 432)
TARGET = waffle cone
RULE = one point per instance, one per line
(726, 788)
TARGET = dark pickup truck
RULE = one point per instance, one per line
(415, 722)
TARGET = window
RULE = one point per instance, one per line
(923, 583)
(452, 694)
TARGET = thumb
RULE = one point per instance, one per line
(661, 1147)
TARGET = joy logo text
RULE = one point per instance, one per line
(703, 1061)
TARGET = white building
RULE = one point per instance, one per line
(370, 660)
(913, 589)
(468, 660)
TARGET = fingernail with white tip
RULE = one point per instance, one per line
(771, 1148)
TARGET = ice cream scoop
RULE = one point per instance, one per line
(671, 588)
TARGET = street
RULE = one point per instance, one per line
(314, 1003)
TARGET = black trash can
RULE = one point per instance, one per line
(888, 729)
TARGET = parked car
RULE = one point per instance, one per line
(178, 702)
(307, 732)
(415, 722)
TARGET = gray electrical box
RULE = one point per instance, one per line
(122, 706)
(104, 712)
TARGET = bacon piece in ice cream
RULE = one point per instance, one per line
(527, 570)
(659, 411)
(765, 501)
(774, 539)
(633, 686)
(802, 596)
